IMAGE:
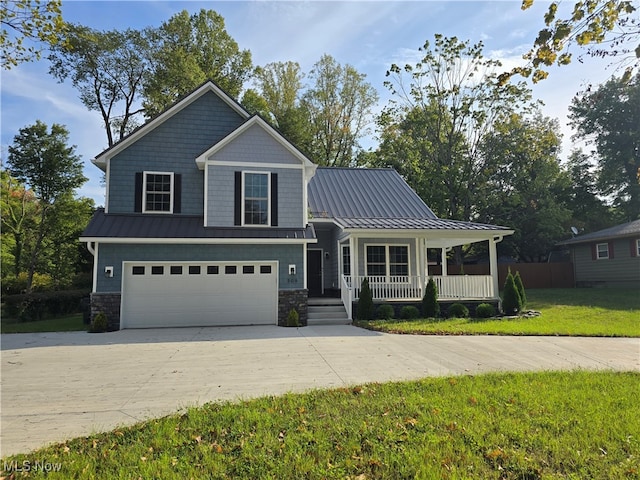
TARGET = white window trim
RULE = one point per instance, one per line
(342, 255)
(243, 223)
(387, 258)
(144, 192)
(638, 247)
(598, 257)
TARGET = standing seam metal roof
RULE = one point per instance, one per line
(364, 193)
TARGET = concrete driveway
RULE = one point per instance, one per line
(57, 386)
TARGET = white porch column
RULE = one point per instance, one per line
(443, 260)
(353, 253)
(493, 266)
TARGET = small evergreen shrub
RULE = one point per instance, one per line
(430, 307)
(385, 312)
(365, 302)
(293, 319)
(511, 301)
(99, 323)
(485, 310)
(520, 287)
(409, 312)
(458, 310)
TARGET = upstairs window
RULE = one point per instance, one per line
(158, 192)
(256, 198)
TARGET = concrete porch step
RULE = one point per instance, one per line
(326, 311)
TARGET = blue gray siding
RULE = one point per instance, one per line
(220, 209)
(115, 254)
(173, 147)
(622, 270)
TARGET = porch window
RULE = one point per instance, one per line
(387, 260)
(637, 248)
(602, 251)
(346, 260)
(256, 198)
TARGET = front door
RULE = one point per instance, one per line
(314, 272)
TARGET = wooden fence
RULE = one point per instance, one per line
(534, 275)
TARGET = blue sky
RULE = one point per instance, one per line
(368, 35)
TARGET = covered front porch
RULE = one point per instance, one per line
(396, 266)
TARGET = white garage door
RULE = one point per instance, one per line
(199, 294)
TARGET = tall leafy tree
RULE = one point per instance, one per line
(524, 185)
(41, 159)
(432, 129)
(189, 50)
(26, 26)
(588, 25)
(589, 212)
(107, 68)
(339, 106)
(609, 118)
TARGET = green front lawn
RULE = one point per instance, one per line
(67, 323)
(576, 312)
(498, 426)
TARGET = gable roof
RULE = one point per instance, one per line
(629, 229)
(101, 159)
(254, 120)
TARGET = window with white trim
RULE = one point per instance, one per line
(638, 248)
(346, 260)
(602, 251)
(158, 192)
(387, 260)
(255, 198)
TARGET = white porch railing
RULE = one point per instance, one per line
(347, 297)
(411, 287)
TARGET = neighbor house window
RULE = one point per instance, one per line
(638, 248)
(158, 192)
(602, 250)
(388, 260)
(256, 198)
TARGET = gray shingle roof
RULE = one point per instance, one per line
(180, 226)
(363, 193)
(630, 229)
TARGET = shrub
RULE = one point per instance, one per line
(99, 323)
(16, 285)
(293, 319)
(458, 310)
(365, 302)
(409, 312)
(430, 307)
(520, 287)
(485, 310)
(385, 312)
(511, 301)
(35, 306)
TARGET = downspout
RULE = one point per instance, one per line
(93, 250)
(493, 267)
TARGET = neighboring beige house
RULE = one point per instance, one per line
(607, 258)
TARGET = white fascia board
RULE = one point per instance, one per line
(101, 160)
(204, 157)
(201, 241)
(444, 237)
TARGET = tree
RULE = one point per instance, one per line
(42, 159)
(524, 185)
(27, 21)
(591, 23)
(108, 69)
(189, 50)
(589, 212)
(277, 99)
(430, 305)
(18, 212)
(609, 118)
(365, 301)
(432, 129)
(339, 107)
(511, 301)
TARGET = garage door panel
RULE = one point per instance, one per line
(212, 297)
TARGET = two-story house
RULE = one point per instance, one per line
(213, 218)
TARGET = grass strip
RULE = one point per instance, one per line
(497, 426)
